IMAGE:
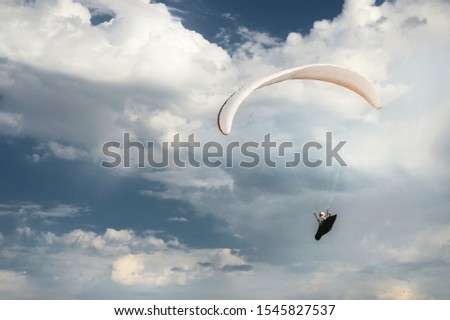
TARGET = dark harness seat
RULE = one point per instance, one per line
(325, 226)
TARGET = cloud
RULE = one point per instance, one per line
(60, 211)
(179, 267)
(229, 16)
(115, 257)
(72, 86)
(157, 269)
(10, 123)
(32, 210)
(25, 232)
(107, 79)
(16, 285)
(384, 142)
(394, 165)
(65, 152)
(86, 263)
(398, 290)
(115, 55)
(413, 21)
(178, 219)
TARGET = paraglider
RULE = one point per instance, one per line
(338, 75)
(335, 74)
(326, 222)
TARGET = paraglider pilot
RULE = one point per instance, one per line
(323, 216)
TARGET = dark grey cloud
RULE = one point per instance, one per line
(414, 22)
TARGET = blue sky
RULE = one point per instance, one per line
(211, 17)
(76, 74)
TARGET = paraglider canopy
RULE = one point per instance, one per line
(325, 72)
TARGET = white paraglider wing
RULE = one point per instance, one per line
(325, 72)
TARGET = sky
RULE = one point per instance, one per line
(77, 74)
